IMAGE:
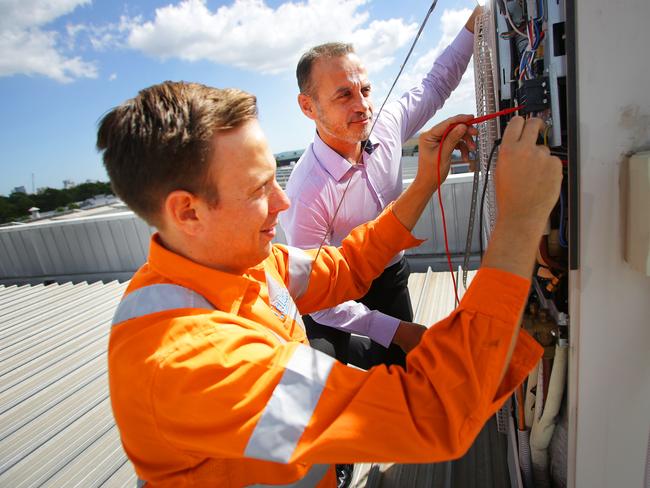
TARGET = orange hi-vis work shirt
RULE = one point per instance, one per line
(213, 382)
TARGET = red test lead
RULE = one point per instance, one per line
(475, 120)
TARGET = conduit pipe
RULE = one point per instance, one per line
(545, 419)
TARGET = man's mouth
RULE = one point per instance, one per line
(269, 231)
(363, 121)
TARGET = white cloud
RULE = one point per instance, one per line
(105, 36)
(27, 48)
(19, 14)
(251, 35)
(112, 77)
(462, 99)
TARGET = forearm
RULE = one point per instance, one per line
(420, 103)
(512, 248)
(442, 400)
(469, 25)
(411, 203)
(355, 317)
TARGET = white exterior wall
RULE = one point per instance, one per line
(610, 303)
(114, 246)
(103, 247)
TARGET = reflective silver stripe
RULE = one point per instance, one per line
(295, 314)
(140, 483)
(290, 407)
(158, 298)
(311, 479)
(300, 264)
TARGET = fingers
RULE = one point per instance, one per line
(524, 130)
(531, 130)
(467, 144)
(469, 139)
(513, 131)
(464, 151)
(440, 128)
(452, 140)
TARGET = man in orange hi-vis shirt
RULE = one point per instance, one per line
(212, 380)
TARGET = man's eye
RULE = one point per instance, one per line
(265, 186)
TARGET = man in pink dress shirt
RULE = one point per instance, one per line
(335, 94)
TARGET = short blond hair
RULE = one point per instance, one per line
(163, 139)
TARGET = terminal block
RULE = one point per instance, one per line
(534, 95)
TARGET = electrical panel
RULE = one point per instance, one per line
(520, 59)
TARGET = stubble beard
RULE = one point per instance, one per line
(340, 131)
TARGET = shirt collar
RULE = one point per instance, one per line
(224, 290)
(336, 165)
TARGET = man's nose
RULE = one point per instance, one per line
(279, 200)
(362, 103)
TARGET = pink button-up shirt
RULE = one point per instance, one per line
(317, 182)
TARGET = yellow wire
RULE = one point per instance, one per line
(548, 127)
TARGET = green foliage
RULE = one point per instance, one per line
(87, 190)
(51, 198)
(16, 206)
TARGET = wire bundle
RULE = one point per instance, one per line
(535, 34)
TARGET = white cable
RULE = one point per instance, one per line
(512, 24)
(544, 424)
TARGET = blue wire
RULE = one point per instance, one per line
(563, 242)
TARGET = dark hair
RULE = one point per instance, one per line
(306, 63)
(163, 139)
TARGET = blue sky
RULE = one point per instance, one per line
(63, 63)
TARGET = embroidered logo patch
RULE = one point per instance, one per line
(279, 298)
(281, 302)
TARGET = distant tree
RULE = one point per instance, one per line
(51, 198)
(21, 202)
(17, 205)
(8, 211)
(83, 191)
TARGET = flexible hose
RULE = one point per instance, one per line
(544, 424)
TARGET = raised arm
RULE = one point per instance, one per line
(416, 106)
(295, 404)
(334, 275)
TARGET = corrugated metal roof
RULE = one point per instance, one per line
(485, 465)
(56, 424)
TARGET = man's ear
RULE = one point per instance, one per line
(181, 211)
(307, 106)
